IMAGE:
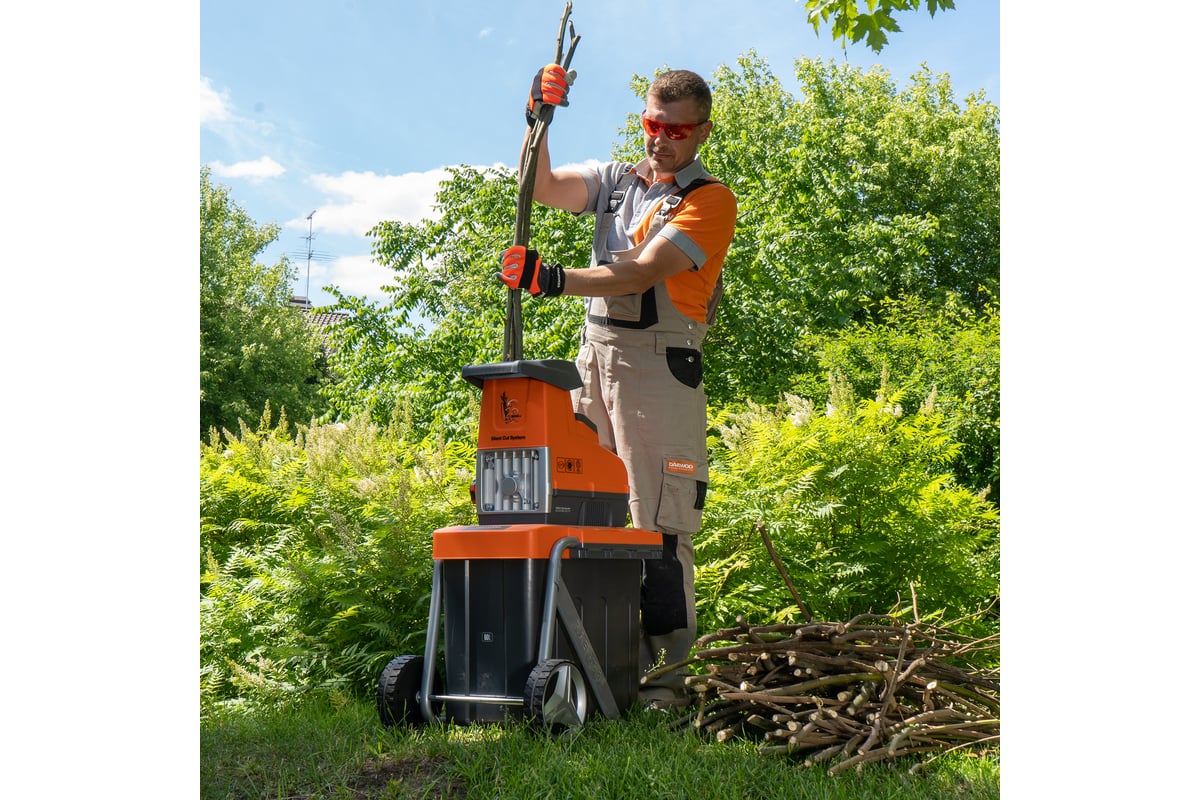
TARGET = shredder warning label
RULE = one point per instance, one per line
(570, 465)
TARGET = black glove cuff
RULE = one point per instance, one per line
(530, 119)
(552, 280)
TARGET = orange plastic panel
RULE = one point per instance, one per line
(531, 541)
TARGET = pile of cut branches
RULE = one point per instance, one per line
(848, 694)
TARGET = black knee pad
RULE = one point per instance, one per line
(664, 603)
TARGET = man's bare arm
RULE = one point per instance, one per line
(660, 260)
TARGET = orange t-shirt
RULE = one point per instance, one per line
(706, 217)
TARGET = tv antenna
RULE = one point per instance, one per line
(310, 255)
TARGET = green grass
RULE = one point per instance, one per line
(335, 748)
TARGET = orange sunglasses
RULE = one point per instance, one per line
(679, 131)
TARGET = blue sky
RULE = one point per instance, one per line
(354, 109)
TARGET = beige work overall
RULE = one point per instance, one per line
(641, 365)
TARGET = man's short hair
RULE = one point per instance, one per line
(680, 84)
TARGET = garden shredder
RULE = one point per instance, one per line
(539, 601)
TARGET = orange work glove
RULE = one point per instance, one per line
(550, 86)
(522, 268)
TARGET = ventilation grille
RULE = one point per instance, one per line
(512, 480)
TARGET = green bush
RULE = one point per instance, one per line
(924, 348)
(859, 504)
(316, 559)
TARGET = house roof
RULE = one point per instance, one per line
(321, 320)
(325, 319)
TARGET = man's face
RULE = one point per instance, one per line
(668, 155)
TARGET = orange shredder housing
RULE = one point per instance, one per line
(541, 476)
(537, 460)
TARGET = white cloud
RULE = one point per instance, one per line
(359, 201)
(214, 105)
(577, 166)
(265, 167)
(219, 113)
(485, 33)
(357, 276)
(367, 198)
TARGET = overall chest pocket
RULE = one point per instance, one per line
(686, 364)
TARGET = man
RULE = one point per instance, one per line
(663, 228)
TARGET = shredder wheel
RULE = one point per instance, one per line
(396, 692)
(556, 695)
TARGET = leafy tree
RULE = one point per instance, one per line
(946, 355)
(447, 307)
(852, 22)
(856, 193)
(254, 349)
